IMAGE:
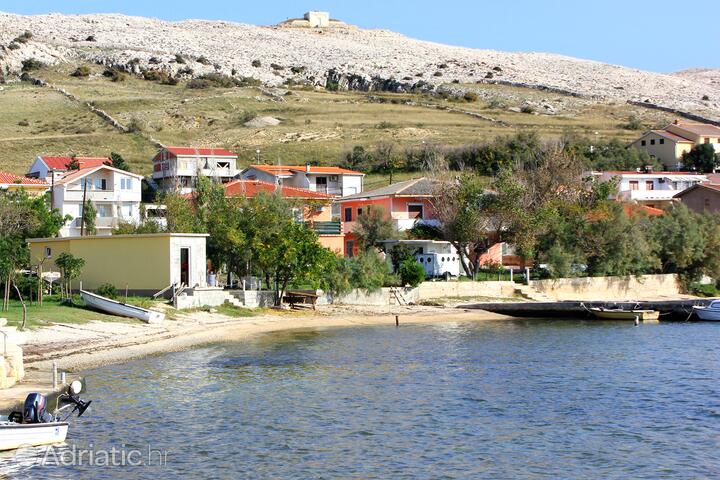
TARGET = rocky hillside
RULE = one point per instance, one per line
(341, 57)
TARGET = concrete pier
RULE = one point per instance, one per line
(676, 310)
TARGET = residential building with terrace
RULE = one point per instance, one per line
(649, 188)
(115, 194)
(333, 181)
(670, 143)
(178, 168)
(404, 203)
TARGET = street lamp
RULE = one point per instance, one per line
(258, 155)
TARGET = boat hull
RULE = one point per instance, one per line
(707, 314)
(17, 435)
(114, 307)
(642, 315)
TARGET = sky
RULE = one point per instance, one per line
(658, 35)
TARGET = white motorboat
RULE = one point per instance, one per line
(710, 312)
(34, 426)
(104, 304)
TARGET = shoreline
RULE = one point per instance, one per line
(98, 344)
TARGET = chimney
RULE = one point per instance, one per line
(307, 167)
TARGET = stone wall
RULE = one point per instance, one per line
(11, 363)
(609, 288)
(429, 290)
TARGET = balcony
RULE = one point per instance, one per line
(402, 224)
(647, 195)
(326, 228)
(328, 190)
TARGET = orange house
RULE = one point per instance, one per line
(404, 203)
(312, 207)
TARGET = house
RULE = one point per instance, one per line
(32, 186)
(315, 208)
(652, 189)
(335, 181)
(701, 198)
(142, 264)
(114, 193)
(438, 258)
(669, 144)
(404, 203)
(177, 168)
(50, 169)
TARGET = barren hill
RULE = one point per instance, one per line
(340, 57)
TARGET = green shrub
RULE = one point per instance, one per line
(154, 61)
(384, 125)
(202, 59)
(527, 109)
(633, 124)
(179, 58)
(13, 46)
(91, 38)
(199, 83)
(24, 37)
(470, 97)
(134, 126)
(220, 80)
(256, 63)
(81, 71)
(246, 116)
(411, 272)
(438, 74)
(297, 70)
(705, 97)
(31, 64)
(107, 290)
(275, 66)
(24, 123)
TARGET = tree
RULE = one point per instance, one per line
(89, 214)
(398, 254)
(372, 226)
(701, 158)
(70, 268)
(369, 271)
(117, 161)
(73, 164)
(411, 272)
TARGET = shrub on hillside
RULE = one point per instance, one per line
(470, 97)
(13, 46)
(275, 66)
(633, 124)
(31, 64)
(202, 59)
(179, 58)
(256, 63)
(114, 74)
(199, 83)
(527, 109)
(81, 71)
(91, 38)
(24, 38)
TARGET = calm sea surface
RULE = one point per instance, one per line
(520, 399)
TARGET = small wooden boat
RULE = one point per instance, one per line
(622, 314)
(114, 307)
(710, 313)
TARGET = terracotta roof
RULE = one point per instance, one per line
(210, 152)
(61, 163)
(12, 179)
(290, 169)
(672, 136)
(631, 209)
(77, 174)
(250, 188)
(418, 187)
(710, 186)
(698, 128)
(633, 172)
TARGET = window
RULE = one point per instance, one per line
(127, 210)
(707, 139)
(100, 184)
(223, 164)
(104, 211)
(652, 141)
(321, 185)
(633, 184)
(662, 141)
(359, 211)
(48, 252)
(649, 185)
(126, 183)
(415, 211)
(707, 203)
(643, 143)
(348, 214)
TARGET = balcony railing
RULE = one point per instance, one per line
(326, 228)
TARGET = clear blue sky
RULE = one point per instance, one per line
(638, 33)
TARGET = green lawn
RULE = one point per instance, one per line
(53, 311)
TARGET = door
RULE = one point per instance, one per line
(185, 265)
(321, 185)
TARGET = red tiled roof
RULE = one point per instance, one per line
(633, 172)
(672, 136)
(697, 128)
(210, 152)
(61, 163)
(12, 179)
(250, 188)
(711, 186)
(630, 209)
(290, 169)
(77, 174)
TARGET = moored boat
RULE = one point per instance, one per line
(622, 314)
(709, 313)
(16, 435)
(104, 304)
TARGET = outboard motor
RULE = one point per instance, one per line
(34, 409)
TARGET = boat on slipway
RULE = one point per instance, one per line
(104, 304)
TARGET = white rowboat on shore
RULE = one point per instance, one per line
(620, 314)
(17, 435)
(114, 307)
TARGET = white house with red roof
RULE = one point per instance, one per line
(649, 188)
(177, 168)
(49, 168)
(115, 194)
(334, 181)
(670, 143)
(32, 186)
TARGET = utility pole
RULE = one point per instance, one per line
(82, 209)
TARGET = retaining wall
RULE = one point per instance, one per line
(609, 288)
